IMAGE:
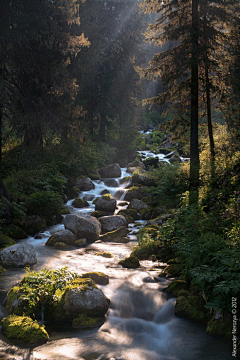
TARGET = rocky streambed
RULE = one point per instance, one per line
(140, 323)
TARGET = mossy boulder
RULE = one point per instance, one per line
(192, 308)
(80, 242)
(143, 179)
(99, 277)
(64, 296)
(130, 262)
(176, 286)
(172, 270)
(62, 236)
(222, 326)
(24, 330)
(117, 236)
(6, 241)
(84, 321)
(84, 183)
(131, 214)
(60, 245)
(105, 254)
(14, 232)
(97, 214)
(80, 203)
(136, 192)
(106, 203)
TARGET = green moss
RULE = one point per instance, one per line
(98, 277)
(60, 245)
(84, 320)
(64, 211)
(176, 286)
(191, 308)
(2, 270)
(172, 270)
(147, 214)
(80, 203)
(221, 326)
(73, 192)
(80, 242)
(105, 254)
(132, 213)
(112, 235)
(14, 232)
(131, 262)
(24, 329)
(12, 296)
(6, 241)
(98, 213)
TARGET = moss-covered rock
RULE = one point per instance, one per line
(73, 192)
(114, 235)
(80, 242)
(80, 203)
(192, 308)
(221, 326)
(136, 192)
(147, 213)
(6, 241)
(105, 254)
(64, 211)
(172, 270)
(129, 213)
(98, 213)
(84, 320)
(60, 245)
(24, 330)
(131, 262)
(176, 286)
(14, 232)
(99, 277)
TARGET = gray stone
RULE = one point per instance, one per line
(83, 226)
(64, 236)
(106, 203)
(112, 222)
(110, 171)
(18, 255)
(137, 204)
(84, 184)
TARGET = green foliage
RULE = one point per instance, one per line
(6, 241)
(44, 203)
(171, 181)
(43, 289)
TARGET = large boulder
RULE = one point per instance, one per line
(65, 236)
(111, 182)
(83, 226)
(84, 183)
(90, 301)
(110, 171)
(112, 222)
(137, 204)
(106, 203)
(18, 255)
(136, 192)
(117, 236)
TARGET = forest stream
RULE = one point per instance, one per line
(140, 323)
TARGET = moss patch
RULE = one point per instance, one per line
(105, 254)
(221, 326)
(192, 308)
(99, 277)
(83, 320)
(176, 286)
(6, 241)
(80, 203)
(24, 329)
(131, 262)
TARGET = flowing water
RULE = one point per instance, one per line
(140, 323)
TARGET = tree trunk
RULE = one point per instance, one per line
(194, 149)
(209, 117)
(102, 129)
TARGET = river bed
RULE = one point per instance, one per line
(140, 323)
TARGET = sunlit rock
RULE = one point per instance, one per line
(18, 255)
(83, 226)
(99, 277)
(62, 236)
(84, 183)
(111, 171)
(112, 222)
(111, 182)
(106, 203)
(119, 235)
(136, 192)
